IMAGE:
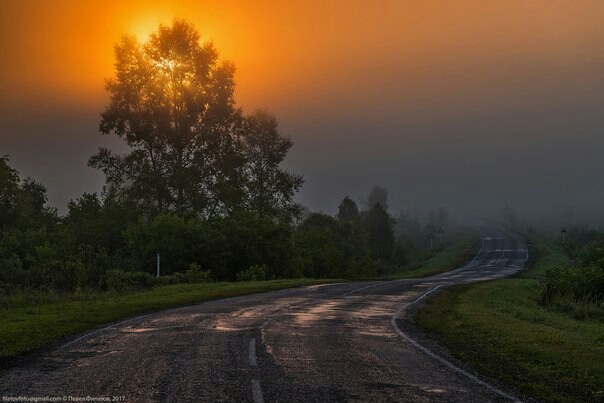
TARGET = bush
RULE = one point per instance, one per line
(579, 282)
(196, 275)
(254, 273)
(176, 278)
(362, 268)
(125, 281)
(578, 292)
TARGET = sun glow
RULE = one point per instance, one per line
(142, 28)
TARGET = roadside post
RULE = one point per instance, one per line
(563, 232)
(158, 265)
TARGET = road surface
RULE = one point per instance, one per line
(339, 342)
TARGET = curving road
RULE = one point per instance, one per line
(339, 342)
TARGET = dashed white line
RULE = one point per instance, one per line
(358, 289)
(264, 324)
(252, 352)
(257, 391)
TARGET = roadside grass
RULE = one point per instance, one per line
(500, 330)
(442, 260)
(25, 328)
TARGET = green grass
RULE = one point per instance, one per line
(25, 328)
(448, 258)
(499, 329)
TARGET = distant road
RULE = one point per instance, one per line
(339, 342)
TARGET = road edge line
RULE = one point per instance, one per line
(437, 357)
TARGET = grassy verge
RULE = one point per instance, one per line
(499, 329)
(448, 258)
(27, 328)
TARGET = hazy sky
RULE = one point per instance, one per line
(469, 104)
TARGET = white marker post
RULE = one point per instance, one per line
(158, 265)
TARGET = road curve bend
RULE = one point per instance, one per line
(337, 342)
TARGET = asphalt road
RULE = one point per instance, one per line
(340, 342)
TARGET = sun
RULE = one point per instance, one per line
(143, 27)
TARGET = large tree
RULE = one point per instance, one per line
(270, 190)
(192, 152)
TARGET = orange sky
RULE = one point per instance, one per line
(292, 55)
(426, 96)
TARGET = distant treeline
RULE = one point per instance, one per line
(105, 243)
(202, 185)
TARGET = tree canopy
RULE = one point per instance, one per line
(192, 152)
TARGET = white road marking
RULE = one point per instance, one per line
(478, 254)
(252, 355)
(263, 325)
(436, 356)
(110, 327)
(358, 289)
(257, 391)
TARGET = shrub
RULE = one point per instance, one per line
(578, 292)
(196, 275)
(254, 273)
(124, 281)
(176, 278)
(578, 282)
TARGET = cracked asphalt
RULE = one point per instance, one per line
(337, 342)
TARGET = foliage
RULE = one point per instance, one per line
(196, 275)
(576, 287)
(254, 273)
(201, 185)
(128, 281)
(380, 230)
(192, 152)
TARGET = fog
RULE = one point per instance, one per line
(470, 107)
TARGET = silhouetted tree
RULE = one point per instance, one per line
(408, 228)
(9, 191)
(379, 196)
(192, 151)
(353, 234)
(380, 227)
(269, 188)
(348, 212)
(172, 103)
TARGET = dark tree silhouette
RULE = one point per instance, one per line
(172, 103)
(269, 189)
(348, 212)
(379, 196)
(380, 227)
(9, 190)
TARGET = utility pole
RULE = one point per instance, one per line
(440, 235)
(431, 241)
(158, 265)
